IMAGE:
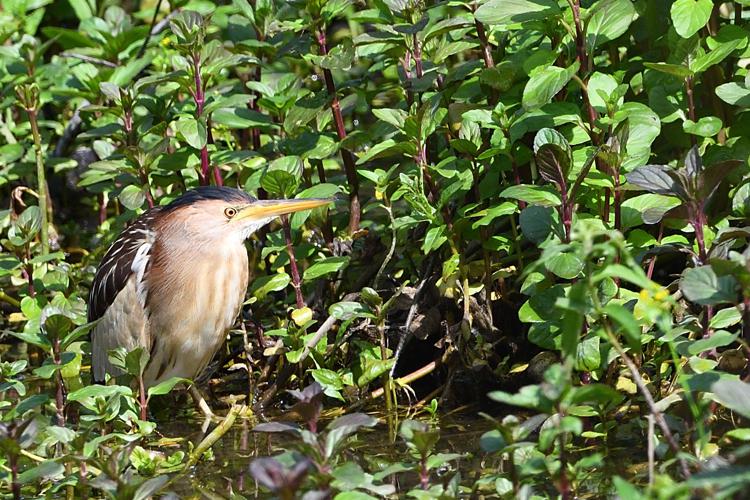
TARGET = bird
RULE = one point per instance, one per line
(174, 281)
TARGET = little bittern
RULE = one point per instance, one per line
(174, 281)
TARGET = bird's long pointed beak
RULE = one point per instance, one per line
(263, 209)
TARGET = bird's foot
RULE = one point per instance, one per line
(201, 403)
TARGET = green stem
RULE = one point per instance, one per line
(41, 180)
(4, 297)
(209, 440)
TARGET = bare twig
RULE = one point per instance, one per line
(406, 336)
(219, 431)
(296, 280)
(657, 415)
(409, 378)
(89, 59)
(142, 50)
(391, 250)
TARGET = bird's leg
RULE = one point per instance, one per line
(201, 403)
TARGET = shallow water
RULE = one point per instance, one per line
(227, 472)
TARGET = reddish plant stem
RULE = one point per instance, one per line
(580, 38)
(15, 485)
(296, 281)
(417, 56)
(698, 222)
(424, 473)
(346, 155)
(200, 100)
(652, 264)
(255, 131)
(486, 48)
(566, 212)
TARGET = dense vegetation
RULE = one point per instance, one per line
(541, 212)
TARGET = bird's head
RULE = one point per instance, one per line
(219, 214)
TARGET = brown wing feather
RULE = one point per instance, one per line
(117, 264)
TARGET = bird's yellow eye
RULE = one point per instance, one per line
(230, 212)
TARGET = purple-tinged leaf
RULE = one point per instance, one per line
(657, 179)
(355, 420)
(553, 156)
(277, 427)
(713, 175)
(693, 164)
(310, 404)
(276, 477)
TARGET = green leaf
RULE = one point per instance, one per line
(348, 310)
(677, 70)
(536, 195)
(726, 318)
(264, 285)
(132, 197)
(240, 118)
(165, 386)
(84, 9)
(715, 56)
(627, 325)
(326, 266)
(537, 223)
(717, 339)
(46, 470)
(646, 208)
(734, 394)
(601, 83)
(192, 130)
(564, 265)
(516, 11)
(588, 356)
(702, 286)
(608, 19)
(707, 126)
(279, 183)
(689, 16)
(734, 93)
(395, 117)
(434, 239)
(544, 84)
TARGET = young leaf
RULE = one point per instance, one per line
(553, 156)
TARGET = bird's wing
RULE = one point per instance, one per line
(128, 255)
(118, 295)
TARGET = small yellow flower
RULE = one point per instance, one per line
(165, 42)
(661, 295)
(644, 295)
